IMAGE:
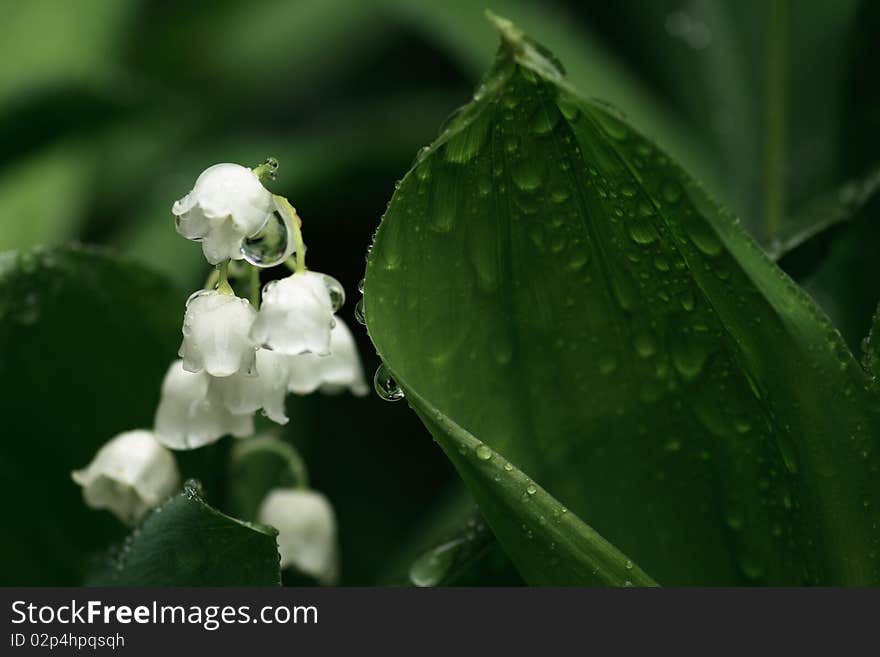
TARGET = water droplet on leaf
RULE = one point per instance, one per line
(385, 385)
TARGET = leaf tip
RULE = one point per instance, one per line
(511, 35)
(524, 50)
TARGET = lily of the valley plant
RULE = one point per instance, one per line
(239, 355)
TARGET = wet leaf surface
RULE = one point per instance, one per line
(557, 287)
(185, 542)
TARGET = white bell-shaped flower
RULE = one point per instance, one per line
(339, 370)
(216, 334)
(297, 314)
(227, 204)
(306, 528)
(190, 416)
(129, 475)
(242, 394)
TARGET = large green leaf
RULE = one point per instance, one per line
(549, 545)
(185, 542)
(553, 284)
(871, 350)
(85, 339)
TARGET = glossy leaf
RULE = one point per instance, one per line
(553, 284)
(871, 348)
(549, 545)
(85, 339)
(185, 542)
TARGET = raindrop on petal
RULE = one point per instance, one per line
(336, 291)
(271, 245)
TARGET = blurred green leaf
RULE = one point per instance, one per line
(85, 339)
(461, 28)
(847, 281)
(861, 127)
(185, 542)
(451, 545)
(43, 197)
(209, 46)
(59, 114)
(469, 557)
(762, 84)
(549, 281)
(41, 49)
(824, 214)
(831, 250)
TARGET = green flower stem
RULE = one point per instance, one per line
(299, 264)
(266, 170)
(286, 452)
(223, 286)
(255, 287)
(211, 281)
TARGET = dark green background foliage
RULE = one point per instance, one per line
(109, 109)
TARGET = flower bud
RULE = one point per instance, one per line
(247, 394)
(190, 416)
(306, 531)
(296, 315)
(333, 373)
(227, 204)
(129, 475)
(216, 334)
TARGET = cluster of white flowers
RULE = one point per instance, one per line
(237, 357)
(236, 360)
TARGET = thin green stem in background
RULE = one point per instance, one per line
(293, 462)
(255, 287)
(774, 153)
